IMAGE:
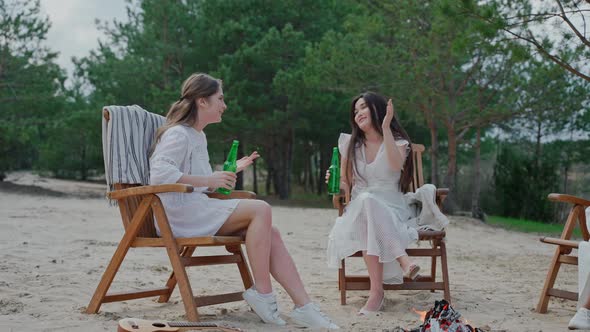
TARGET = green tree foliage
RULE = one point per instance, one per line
(73, 146)
(290, 69)
(249, 44)
(31, 84)
(522, 184)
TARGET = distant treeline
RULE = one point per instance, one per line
(503, 113)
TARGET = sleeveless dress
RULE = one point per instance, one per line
(182, 150)
(376, 219)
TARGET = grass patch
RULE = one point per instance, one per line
(529, 226)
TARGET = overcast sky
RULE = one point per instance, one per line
(73, 29)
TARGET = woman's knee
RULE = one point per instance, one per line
(276, 234)
(264, 212)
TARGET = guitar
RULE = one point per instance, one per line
(141, 325)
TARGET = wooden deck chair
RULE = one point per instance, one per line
(438, 249)
(138, 205)
(563, 252)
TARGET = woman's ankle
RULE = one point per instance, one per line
(378, 293)
(405, 262)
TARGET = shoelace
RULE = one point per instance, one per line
(275, 309)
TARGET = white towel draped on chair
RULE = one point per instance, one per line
(133, 135)
(425, 213)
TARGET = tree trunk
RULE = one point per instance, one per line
(270, 171)
(254, 178)
(450, 204)
(283, 162)
(476, 211)
(83, 167)
(434, 176)
(307, 176)
(318, 171)
(322, 167)
(240, 179)
(538, 144)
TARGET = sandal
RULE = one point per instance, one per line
(365, 312)
(412, 272)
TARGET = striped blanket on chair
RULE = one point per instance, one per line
(126, 139)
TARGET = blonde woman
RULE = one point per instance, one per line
(180, 156)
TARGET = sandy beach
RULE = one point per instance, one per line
(57, 237)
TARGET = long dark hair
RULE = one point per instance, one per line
(378, 106)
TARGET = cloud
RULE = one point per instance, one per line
(73, 29)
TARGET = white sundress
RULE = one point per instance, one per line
(376, 218)
(182, 150)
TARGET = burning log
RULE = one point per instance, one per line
(442, 318)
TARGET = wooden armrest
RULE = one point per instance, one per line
(568, 199)
(144, 190)
(340, 200)
(235, 194)
(442, 192)
(560, 242)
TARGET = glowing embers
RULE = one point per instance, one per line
(441, 318)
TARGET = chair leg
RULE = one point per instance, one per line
(118, 256)
(242, 265)
(444, 270)
(186, 292)
(107, 278)
(433, 265)
(342, 282)
(171, 283)
(549, 282)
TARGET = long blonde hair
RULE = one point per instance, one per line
(184, 111)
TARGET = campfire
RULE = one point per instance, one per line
(442, 318)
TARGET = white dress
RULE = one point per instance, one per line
(182, 150)
(376, 218)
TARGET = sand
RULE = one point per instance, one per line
(57, 237)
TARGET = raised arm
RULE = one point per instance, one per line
(396, 154)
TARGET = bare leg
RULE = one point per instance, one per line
(375, 269)
(255, 216)
(284, 271)
(405, 262)
(584, 298)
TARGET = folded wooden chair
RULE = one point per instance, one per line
(438, 248)
(563, 252)
(138, 204)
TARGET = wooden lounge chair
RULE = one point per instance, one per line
(438, 249)
(563, 251)
(138, 204)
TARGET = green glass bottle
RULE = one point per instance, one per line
(334, 180)
(230, 164)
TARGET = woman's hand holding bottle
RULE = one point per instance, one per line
(222, 179)
(343, 187)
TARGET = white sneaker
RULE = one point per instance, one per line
(265, 308)
(310, 315)
(580, 321)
